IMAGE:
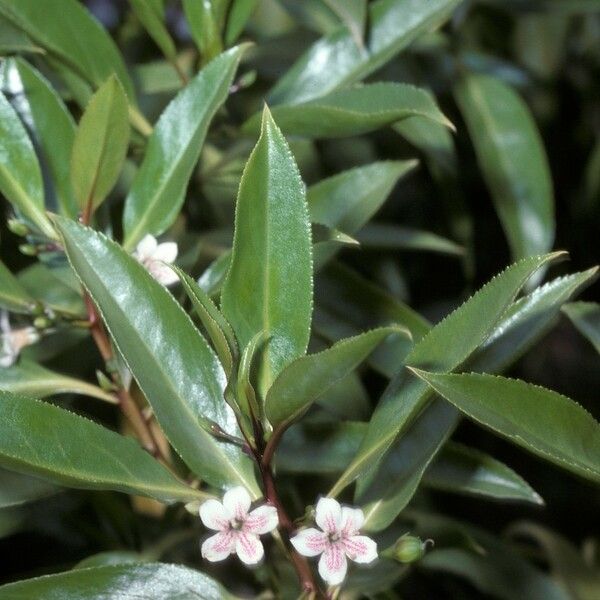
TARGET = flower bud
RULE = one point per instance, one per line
(17, 227)
(42, 322)
(28, 250)
(410, 549)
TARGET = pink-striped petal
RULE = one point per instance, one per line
(249, 548)
(219, 546)
(310, 542)
(214, 515)
(328, 515)
(360, 549)
(261, 520)
(333, 564)
(237, 502)
(352, 520)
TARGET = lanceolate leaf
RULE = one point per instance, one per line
(540, 420)
(336, 60)
(13, 296)
(174, 366)
(151, 581)
(151, 14)
(269, 284)
(173, 149)
(354, 111)
(29, 378)
(512, 157)
(20, 176)
(54, 130)
(466, 470)
(586, 317)
(304, 380)
(100, 145)
(41, 439)
(239, 13)
(444, 348)
(68, 33)
(16, 488)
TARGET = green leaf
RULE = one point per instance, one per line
(158, 189)
(396, 237)
(444, 348)
(16, 489)
(46, 441)
(111, 557)
(586, 317)
(152, 581)
(239, 13)
(540, 420)
(100, 145)
(465, 470)
(308, 377)
(204, 27)
(512, 158)
(269, 284)
(353, 13)
(69, 34)
(13, 296)
(29, 378)
(151, 15)
(20, 175)
(158, 341)
(54, 129)
(354, 111)
(336, 60)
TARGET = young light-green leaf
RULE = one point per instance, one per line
(586, 317)
(269, 283)
(44, 440)
(174, 366)
(540, 420)
(354, 111)
(158, 189)
(100, 145)
(308, 377)
(512, 158)
(335, 60)
(20, 175)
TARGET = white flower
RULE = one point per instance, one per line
(12, 341)
(338, 539)
(154, 256)
(238, 527)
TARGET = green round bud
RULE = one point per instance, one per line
(409, 549)
(28, 250)
(41, 323)
(17, 227)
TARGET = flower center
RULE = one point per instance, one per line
(237, 524)
(334, 537)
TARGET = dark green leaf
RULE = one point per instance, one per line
(239, 13)
(111, 557)
(540, 420)
(158, 189)
(353, 13)
(269, 284)
(151, 15)
(204, 26)
(158, 340)
(13, 296)
(43, 440)
(586, 317)
(16, 488)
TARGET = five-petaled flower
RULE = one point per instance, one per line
(338, 539)
(239, 527)
(12, 341)
(157, 258)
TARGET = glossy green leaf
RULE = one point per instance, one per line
(54, 130)
(269, 284)
(336, 60)
(465, 470)
(540, 420)
(353, 13)
(13, 296)
(151, 15)
(157, 338)
(16, 489)
(152, 581)
(354, 111)
(239, 13)
(444, 348)
(67, 449)
(218, 329)
(31, 379)
(100, 145)
(111, 557)
(213, 277)
(158, 189)
(512, 158)
(308, 377)
(20, 175)
(586, 317)
(204, 26)
(395, 237)
(69, 34)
